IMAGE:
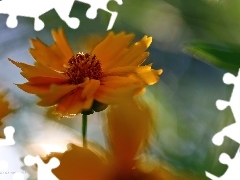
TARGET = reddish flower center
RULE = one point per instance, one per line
(82, 66)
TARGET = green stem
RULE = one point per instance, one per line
(84, 129)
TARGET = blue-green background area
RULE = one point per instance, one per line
(184, 98)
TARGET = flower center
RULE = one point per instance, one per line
(82, 66)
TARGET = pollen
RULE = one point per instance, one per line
(82, 66)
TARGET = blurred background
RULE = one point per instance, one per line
(184, 99)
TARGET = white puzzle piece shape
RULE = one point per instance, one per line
(234, 101)
(18, 176)
(3, 165)
(231, 131)
(8, 155)
(233, 172)
(8, 133)
(36, 8)
(4, 168)
(44, 170)
(100, 4)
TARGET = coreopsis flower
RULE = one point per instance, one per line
(4, 108)
(77, 82)
(128, 127)
(4, 111)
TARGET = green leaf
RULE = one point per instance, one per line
(226, 57)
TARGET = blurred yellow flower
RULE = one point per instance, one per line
(4, 108)
(81, 82)
(128, 127)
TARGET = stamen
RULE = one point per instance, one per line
(82, 66)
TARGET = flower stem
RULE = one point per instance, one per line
(84, 129)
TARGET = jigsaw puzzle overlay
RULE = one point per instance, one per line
(4, 166)
(8, 133)
(44, 170)
(36, 8)
(231, 131)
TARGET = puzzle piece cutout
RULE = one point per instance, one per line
(231, 131)
(44, 170)
(233, 172)
(36, 8)
(234, 101)
(4, 166)
(8, 132)
(18, 176)
(100, 4)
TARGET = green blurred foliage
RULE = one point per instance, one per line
(219, 56)
(215, 26)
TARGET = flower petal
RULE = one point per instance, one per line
(148, 75)
(55, 93)
(54, 56)
(39, 85)
(80, 99)
(34, 89)
(113, 51)
(70, 104)
(128, 125)
(112, 46)
(120, 81)
(45, 80)
(4, 109)
(88, 92)
(62, 43)
(120, 71)
(79, 164)
(29, 71)
(90, 88)
(115, 88)
(136, 54)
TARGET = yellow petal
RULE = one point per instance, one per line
(112, 46)
(120, 71)
(120, 81)
(114, 88)
(62, 43)
(34, 89)
(71, 104)
(81, 99)
(136, 54)
(37, 70)
(114, 52)
(128, 125)
(45, 80)
(90, 89)
(54, 56)
(108, 95)
(79, 164)
(4, 109)
(88, 93)
(148, 75)
(39, 85)
(55, 93)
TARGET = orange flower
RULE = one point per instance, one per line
(4, 109)
(128, 127)
(82, 82)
